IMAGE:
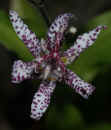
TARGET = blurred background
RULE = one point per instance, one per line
(67, 110)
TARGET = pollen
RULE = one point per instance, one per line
(64, 59)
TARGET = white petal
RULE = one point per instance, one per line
(83, 42)
(41, 100)
(81, 87)
(25, 34)
(57, 29)
(21, 71)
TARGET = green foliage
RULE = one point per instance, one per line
(8, 37)
(31, 16)
(104, 126)
(10, 40)
(69, 118)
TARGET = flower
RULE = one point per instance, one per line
(49, 63)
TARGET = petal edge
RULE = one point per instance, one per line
(81, 87)
(41, 100)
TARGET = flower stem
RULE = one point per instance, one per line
(41, 5)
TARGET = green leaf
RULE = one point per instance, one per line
(9, 39)
(97, 58)
(103, 126)
(31, 17)
(69, 118)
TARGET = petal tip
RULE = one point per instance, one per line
(12, 12)
(86, 91)
(33, 116)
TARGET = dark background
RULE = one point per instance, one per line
(15, 101)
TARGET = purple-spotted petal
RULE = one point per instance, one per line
(41, 100)
(56, 30)
(82, 43)
(22, 71)
(81, 87)
(25, 34)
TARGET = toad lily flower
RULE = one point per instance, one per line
(49, 63)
